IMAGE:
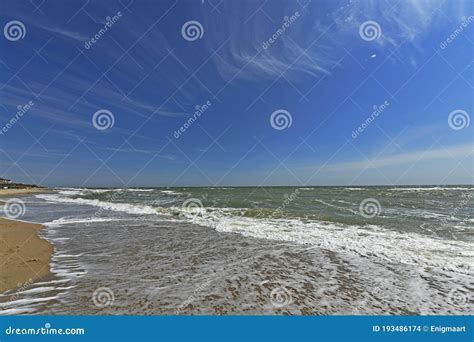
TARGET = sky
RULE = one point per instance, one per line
(236, 93)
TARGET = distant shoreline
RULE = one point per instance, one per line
(22, 191)
(264, 186)
(26, 256)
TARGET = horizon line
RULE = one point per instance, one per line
(263, 186)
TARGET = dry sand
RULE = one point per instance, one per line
(22, 192)
(24, 257)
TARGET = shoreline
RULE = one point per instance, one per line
(25, 256)
(22, 192)
(236, 266)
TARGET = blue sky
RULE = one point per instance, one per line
(322, 69)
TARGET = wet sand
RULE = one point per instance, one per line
(24, 256)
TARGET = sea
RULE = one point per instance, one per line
(253, 251)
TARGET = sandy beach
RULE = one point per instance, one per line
(25, 256)
(22, 192)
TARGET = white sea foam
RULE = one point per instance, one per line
(120, 189)
(49, 282)
(26, 301)
(71, 192)
(67, 255)
(170, 192)
(83, 191)
(436, 188)
(217, 188)
(18, 311)
(67, 273)
(60, 239)
(122, 207)
(70, 220)
(101, 191)
(368, 241)
(25, 306)
(43, 289)
(335, 206)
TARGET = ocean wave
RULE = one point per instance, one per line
(170, 192)
(336, 206)
(370, 241)
(101, 191)
(72, 220)
(80, 191)
(436, 188)
(71, 192)
(43, 289)
(7, 312)
(121, 207)
(215, 188)
(74, 191)
(367, 241)
(21, 302)
(127, 189)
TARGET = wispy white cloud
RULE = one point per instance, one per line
(400, 21)
(244, 56)
(138, 150)
(312, 44)
(63, 32)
